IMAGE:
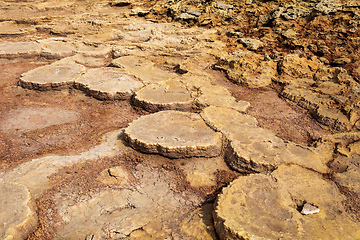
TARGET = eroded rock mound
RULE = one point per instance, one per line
(329, 93)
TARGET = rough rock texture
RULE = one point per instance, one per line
(166, 95)
(173, 134)
(108, 84)
(329, 93)
(248, 68)
(295, 67)
(61, 74)
(272, 203)
(348, 175)
(17, 212)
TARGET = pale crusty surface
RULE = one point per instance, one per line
(17, 212)
(173, 134)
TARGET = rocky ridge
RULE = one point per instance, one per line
(165, 70)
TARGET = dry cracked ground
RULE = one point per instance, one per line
(179, 119)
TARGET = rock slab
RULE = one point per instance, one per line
(173, 134)
(108, 84)
(17, 214)
(167, 95)
(61, 74)
(269, 207)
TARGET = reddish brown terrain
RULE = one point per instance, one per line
(179, 119)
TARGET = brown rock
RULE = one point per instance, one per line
(294, 66)
(341, 61)
(247, 68)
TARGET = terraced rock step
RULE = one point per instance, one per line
(57, 49)
(251, 149)
(108, 84)
(61, 74)
(264, 207)
(104, 83)
(173, 134)
(166, 95)
(19, 49)
(17, 212)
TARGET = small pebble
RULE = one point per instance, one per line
(309, 209)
